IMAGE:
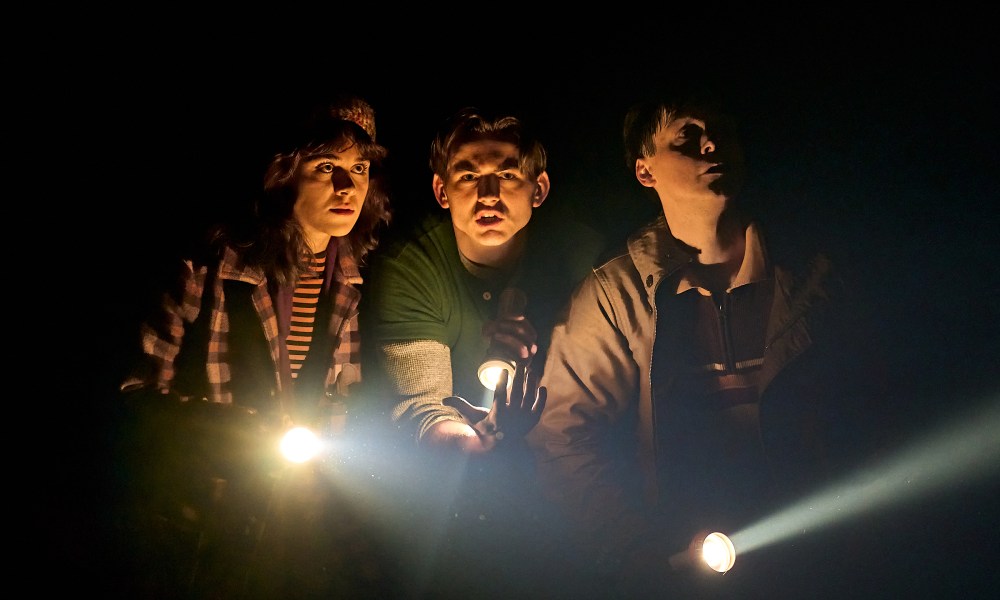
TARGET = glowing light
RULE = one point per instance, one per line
(300, 444)
(490, 370)
(712, 550)
(718, 552)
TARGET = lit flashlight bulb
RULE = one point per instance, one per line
(718, 552)
(490, 371)
(715, 551)
(511, 304)
(299, 444)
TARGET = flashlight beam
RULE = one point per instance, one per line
(958, 454)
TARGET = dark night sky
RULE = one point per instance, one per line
(886, 145)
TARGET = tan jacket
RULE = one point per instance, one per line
(600, 407)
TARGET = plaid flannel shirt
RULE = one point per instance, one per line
(200, 287)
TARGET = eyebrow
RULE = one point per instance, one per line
(330, 155)
(321, 155)
(467, 165)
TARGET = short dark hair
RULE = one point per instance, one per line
(657, 107)
(470, 124)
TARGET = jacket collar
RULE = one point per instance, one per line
(346, 269)
(232, 267)
(655, 253)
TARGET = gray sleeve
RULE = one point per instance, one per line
(420, 372)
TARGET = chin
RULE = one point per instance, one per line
(341, 229)
(493, 238)
(725, 188)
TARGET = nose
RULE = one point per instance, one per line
(707, 144)
(489, 187)
(342, 182)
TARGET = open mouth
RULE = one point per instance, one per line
(487, 220)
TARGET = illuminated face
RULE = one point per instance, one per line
(697, 166)
(331, 191)
(490, 199)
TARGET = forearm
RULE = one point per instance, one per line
(420, 373)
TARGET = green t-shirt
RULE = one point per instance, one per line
(418, 289)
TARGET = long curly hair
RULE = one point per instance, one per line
(272, 238)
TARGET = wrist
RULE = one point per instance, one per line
(460, 435)
(487, 428)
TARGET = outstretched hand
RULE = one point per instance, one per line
(513, 414)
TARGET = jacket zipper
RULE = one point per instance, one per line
(724, 329)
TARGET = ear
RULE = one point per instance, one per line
(642, 173)
(542, 185)
(438, 185)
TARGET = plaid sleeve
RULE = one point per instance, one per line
(162, 333)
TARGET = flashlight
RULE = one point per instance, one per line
(498, 359)
(715, 550)
(300, 444)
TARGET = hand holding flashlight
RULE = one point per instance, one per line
(512, 338)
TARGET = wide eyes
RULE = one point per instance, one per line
(502, 175)
(357, 168)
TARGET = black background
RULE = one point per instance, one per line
(880, 136)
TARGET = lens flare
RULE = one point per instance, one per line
(300, 444)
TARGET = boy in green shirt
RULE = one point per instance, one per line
(434, 295)
(465, 476)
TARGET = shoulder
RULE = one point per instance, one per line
(431, 237)
(613, 277)
(639, 253)
(613, 257)
(612, 293)
(618, 276)
(420, 263)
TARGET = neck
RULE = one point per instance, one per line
(318, 243)
(502, 257)
(714, 239)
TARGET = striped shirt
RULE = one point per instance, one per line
(305, 300)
